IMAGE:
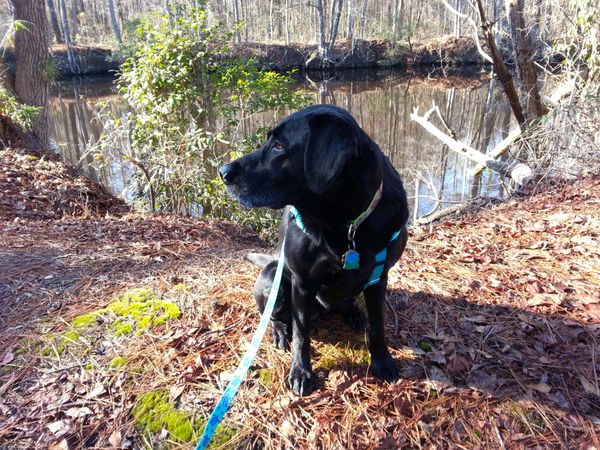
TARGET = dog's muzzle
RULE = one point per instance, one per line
(229, 172)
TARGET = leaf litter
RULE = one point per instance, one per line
(493, 317)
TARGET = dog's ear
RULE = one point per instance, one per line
(332, 142)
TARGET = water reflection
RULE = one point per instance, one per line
(381, 102)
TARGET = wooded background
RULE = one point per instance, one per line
(287, 21)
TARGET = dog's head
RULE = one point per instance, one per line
(304, 154)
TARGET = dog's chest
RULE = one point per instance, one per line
(338, 284)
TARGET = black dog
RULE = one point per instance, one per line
(320, 161)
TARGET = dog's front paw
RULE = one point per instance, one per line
(385, 368)
(302, 380)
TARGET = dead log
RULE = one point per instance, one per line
(518, 172)
(500, 149)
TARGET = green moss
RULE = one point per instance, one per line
(117, 362)
(181, 287)
(138, 309)
(426, 347)
(69, 337)
(153, 413)
(85, 320)
(221, 437)
(333, 355)
(121, 328)
(266, 377)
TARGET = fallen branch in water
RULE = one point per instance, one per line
(426, 220)
(500, 149)
(518, 172)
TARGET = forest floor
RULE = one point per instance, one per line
(120, 330)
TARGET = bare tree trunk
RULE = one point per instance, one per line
(236, 19)
(287, 21)
(363, 19)
(55, 25)
(457, 19)
(335, 23)
(31, 56)
(114, 21)
(500, 68)
(395, 11)
(271, 21)
(74, 21)
(350, 23)
(67, 35)
(321, 29)
(524, 57)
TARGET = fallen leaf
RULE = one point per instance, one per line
(115, 439)
(175, 391)
(62, 445)
(57, 427)
(588, 386)
(436, 357)
(79, 412)
(7, 358)
(541, 387)
(458, 364)
(98, 389)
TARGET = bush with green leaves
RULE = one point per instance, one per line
(19, 113)
(187, 96)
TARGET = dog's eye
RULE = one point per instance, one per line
(279, 147)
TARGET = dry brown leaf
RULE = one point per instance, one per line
(541, 387)
(175, 391)
(588, 386)
(115, 439)
(98, 389)
(78, 412)
(62, 445)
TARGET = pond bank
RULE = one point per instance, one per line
(447, 51)
(493, 316)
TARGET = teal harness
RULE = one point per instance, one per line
(379, 257)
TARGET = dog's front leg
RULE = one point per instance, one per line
(301, 377)
(383, 365)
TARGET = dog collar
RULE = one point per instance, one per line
(351, 259)
(362, 216)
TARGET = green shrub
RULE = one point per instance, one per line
(187, 96)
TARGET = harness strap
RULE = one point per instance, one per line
(380, 257)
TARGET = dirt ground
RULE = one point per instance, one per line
(494, 317)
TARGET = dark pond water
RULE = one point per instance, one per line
(435, 177)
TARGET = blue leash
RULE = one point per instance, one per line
(240, 374)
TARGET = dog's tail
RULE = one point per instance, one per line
(260, 259)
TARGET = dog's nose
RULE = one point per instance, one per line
(228, 172)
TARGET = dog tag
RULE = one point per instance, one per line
(350, 260)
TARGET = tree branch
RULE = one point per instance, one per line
(518, 172)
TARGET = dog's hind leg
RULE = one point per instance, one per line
(354, 317)
(281, 318)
